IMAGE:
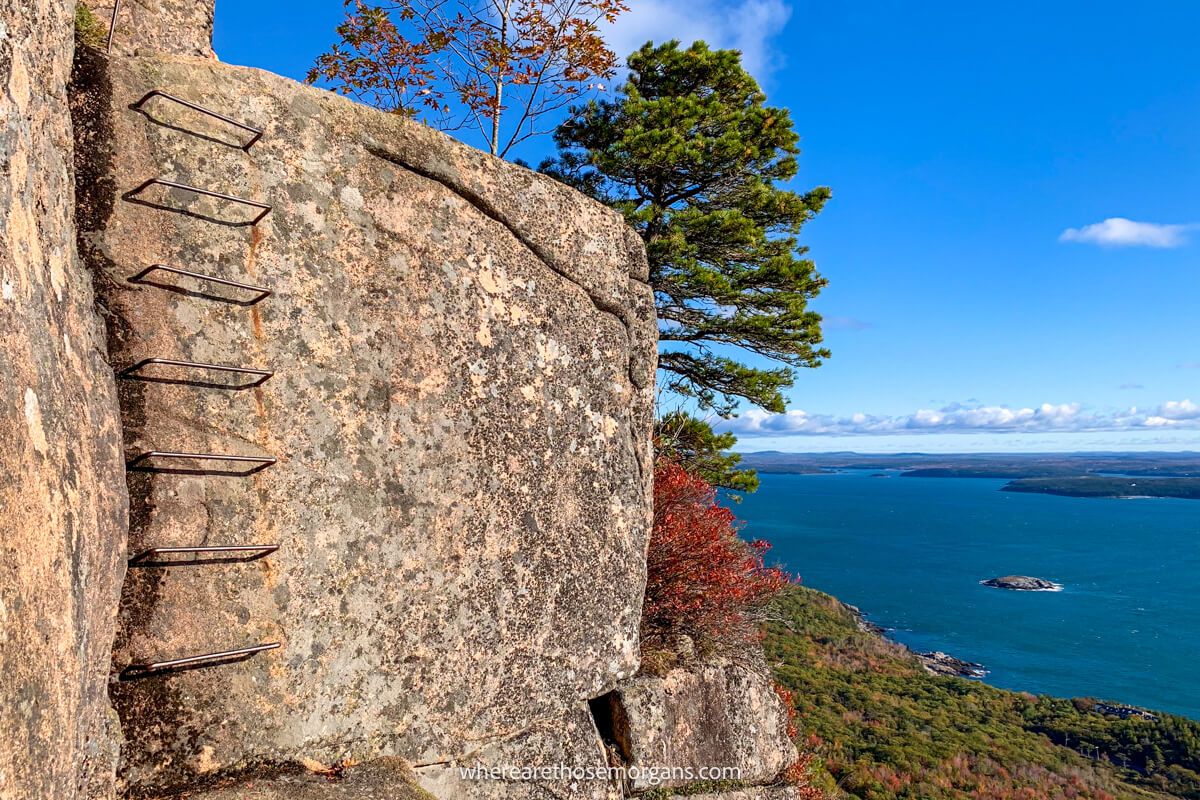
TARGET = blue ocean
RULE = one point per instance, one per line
(910, 552)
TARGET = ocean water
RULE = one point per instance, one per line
(910, 552)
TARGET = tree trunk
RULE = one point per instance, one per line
(498, 95)
(495, 143)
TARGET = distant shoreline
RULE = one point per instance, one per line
(1094, 475)
(1112, 487)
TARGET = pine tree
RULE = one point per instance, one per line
(694, 158)
(692, 443)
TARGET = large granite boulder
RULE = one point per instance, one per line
(673, 730)
(463, 354)
(62, 494)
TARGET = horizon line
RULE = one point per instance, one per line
(978, 453)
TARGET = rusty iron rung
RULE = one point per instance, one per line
(265, 209)
(195, 107)
(131, 372)
(263, 292)
(157, 666)
(148, 555)
(262, 461)
(112, 28)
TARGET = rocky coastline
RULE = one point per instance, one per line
(935, 662)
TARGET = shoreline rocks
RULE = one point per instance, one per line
(940, 663)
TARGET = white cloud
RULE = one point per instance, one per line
(1180, 410)
(1121, 232)
(745, 25)
(960, 418)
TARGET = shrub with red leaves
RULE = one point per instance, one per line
(703, 580)
(789, 705)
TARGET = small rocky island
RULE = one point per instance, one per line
(1023, 583)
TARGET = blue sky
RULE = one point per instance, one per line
(978, 300)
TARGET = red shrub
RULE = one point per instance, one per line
(789, 705)
(799, 775)
(702, 579)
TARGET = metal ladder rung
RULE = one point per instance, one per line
(264, 208)
(112, 27)
(132, 372)
(143, 670)
(135, 463)
(159, 93)
(262, 292)
(142, 558)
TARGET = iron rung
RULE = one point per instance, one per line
(112, 28)
(134, 463)
(262, 293)
(139, 670)
(263, 207)
(132, 371)
(159, 93)
(263, 550)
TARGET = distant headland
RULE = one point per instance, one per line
(1117, 475)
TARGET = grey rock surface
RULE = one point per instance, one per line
(62, 494)
(711, 715)
(750, 793)
(555, 757)
(464, 355)
(384, 779)
(178, 27)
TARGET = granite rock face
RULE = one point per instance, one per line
(711, 715)
(464, 355)
(384, 779)
(182, 27)
(62, 495)
(751, 793)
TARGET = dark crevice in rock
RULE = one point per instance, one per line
(612, 723)
(95, 195)
(90, 97)
(263, 771)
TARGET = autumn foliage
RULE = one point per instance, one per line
(703, 580)
(472, 64)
